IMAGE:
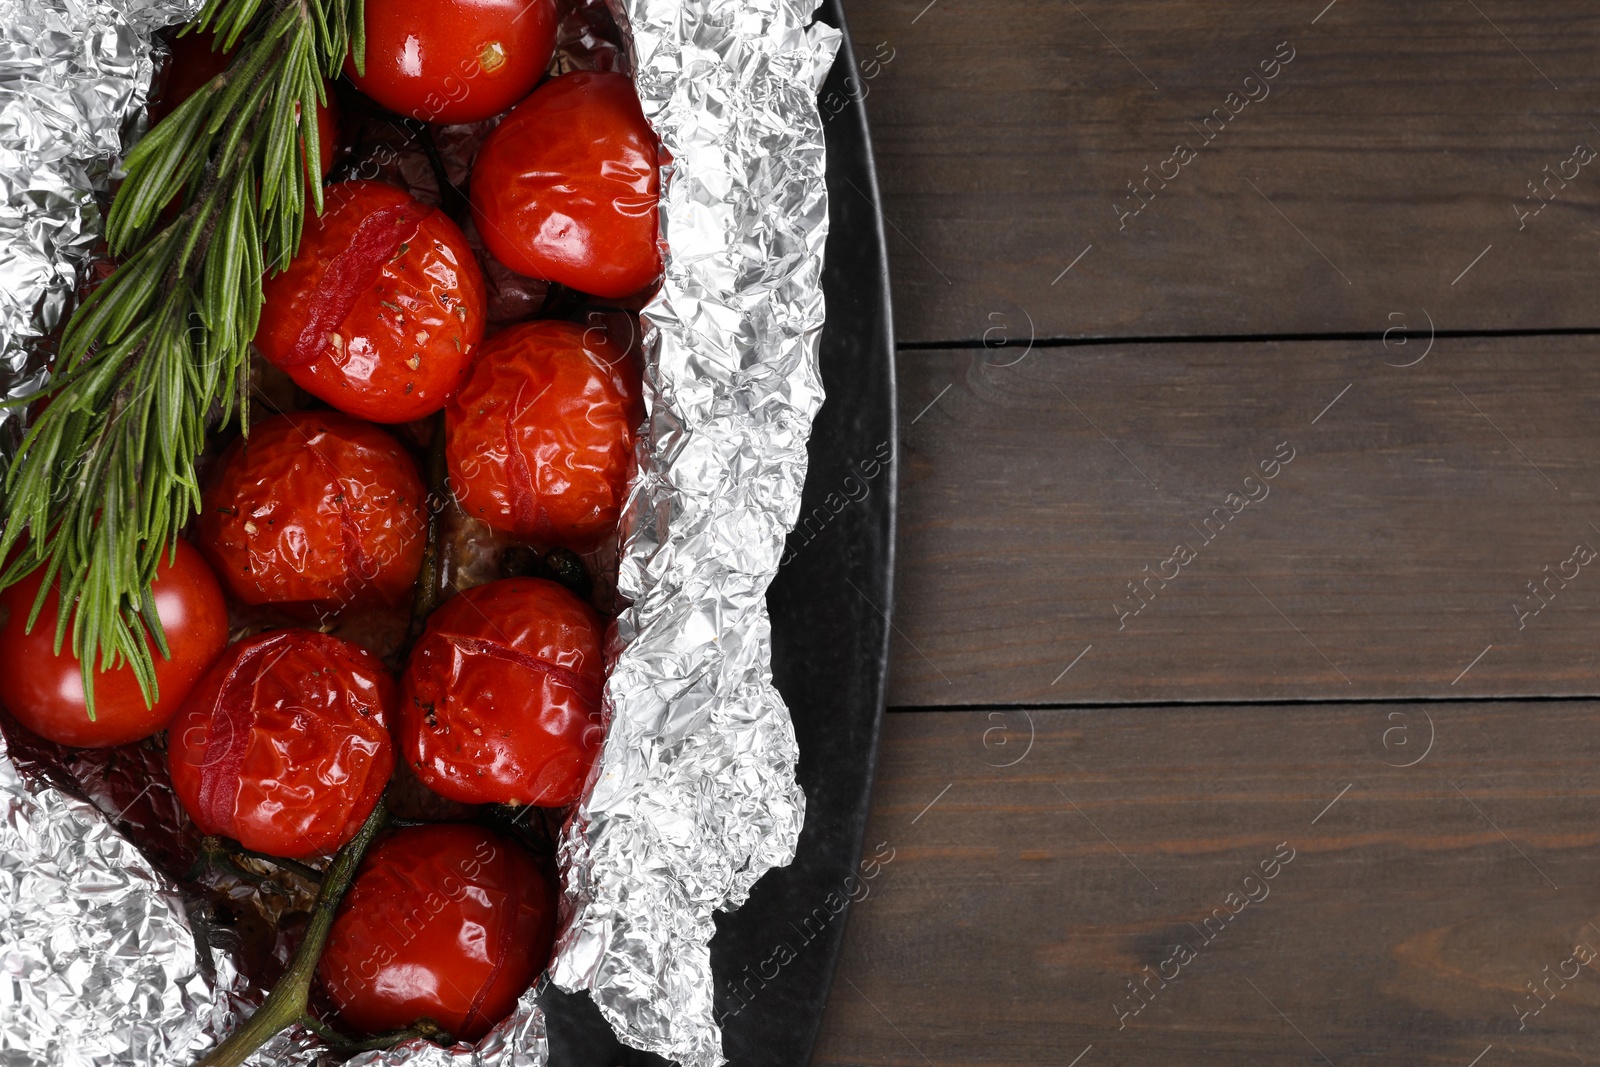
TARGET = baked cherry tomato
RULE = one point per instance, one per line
(45, 691)
(465, 60)
(501, 698)
(381, 310)
(195, 61)
(284, 745)
(449, 922)
(539, 441)
(566, 188)
(315, 507)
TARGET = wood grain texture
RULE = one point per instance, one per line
(1014, 912)
(1392, 150)
(1392, 550)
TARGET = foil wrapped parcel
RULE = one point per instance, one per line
(694, 795)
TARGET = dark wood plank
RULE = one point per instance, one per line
(1385, 157)
(1383, 559)
(1014, 912)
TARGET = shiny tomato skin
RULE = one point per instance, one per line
(284, 745)
(446, 921)
(315, 508)
(45, 691)
(539, 442)
(500, 702)
(464, 61)
(567, 187)
(381, 310)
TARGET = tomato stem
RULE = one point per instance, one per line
(288, 1003)
(217, 858)
(424, 1028)
(306, 871)
(220, 849)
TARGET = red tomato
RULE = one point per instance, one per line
(327, 131)
(45, 691)
(540, 440)
(381, 310)
(194, 62)
(315, 507)
(284, 745)
(447, 921)
(465, 61)
(501, 700)
(566, 188)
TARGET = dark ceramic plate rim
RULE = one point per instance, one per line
(774, 957)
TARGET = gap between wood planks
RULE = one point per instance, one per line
(1158, 705)
(1242, 338)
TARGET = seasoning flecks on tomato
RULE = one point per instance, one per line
(539, 442)
(45, 691)
(447, 921)
(284, 746)
(501, 697)
(381, 310)
(464, 61)
(315, 507)
(567, 188)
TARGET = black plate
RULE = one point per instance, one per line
(830, 646)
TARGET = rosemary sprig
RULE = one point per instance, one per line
(289, 1001)
(104, 480)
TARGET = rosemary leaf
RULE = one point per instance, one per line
(104, 480)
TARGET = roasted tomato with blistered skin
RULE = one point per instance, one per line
(315, 507)
(449, 922)
(381, 310)
(462, 61)
(501, 698)
(539, 441)
(45, 691)
(284, 745)
(567, 187)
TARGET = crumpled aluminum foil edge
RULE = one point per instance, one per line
(694, 796)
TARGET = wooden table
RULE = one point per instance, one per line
(1243, 703)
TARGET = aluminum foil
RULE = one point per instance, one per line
(101, 963)
(694, 796)
(73, 79)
